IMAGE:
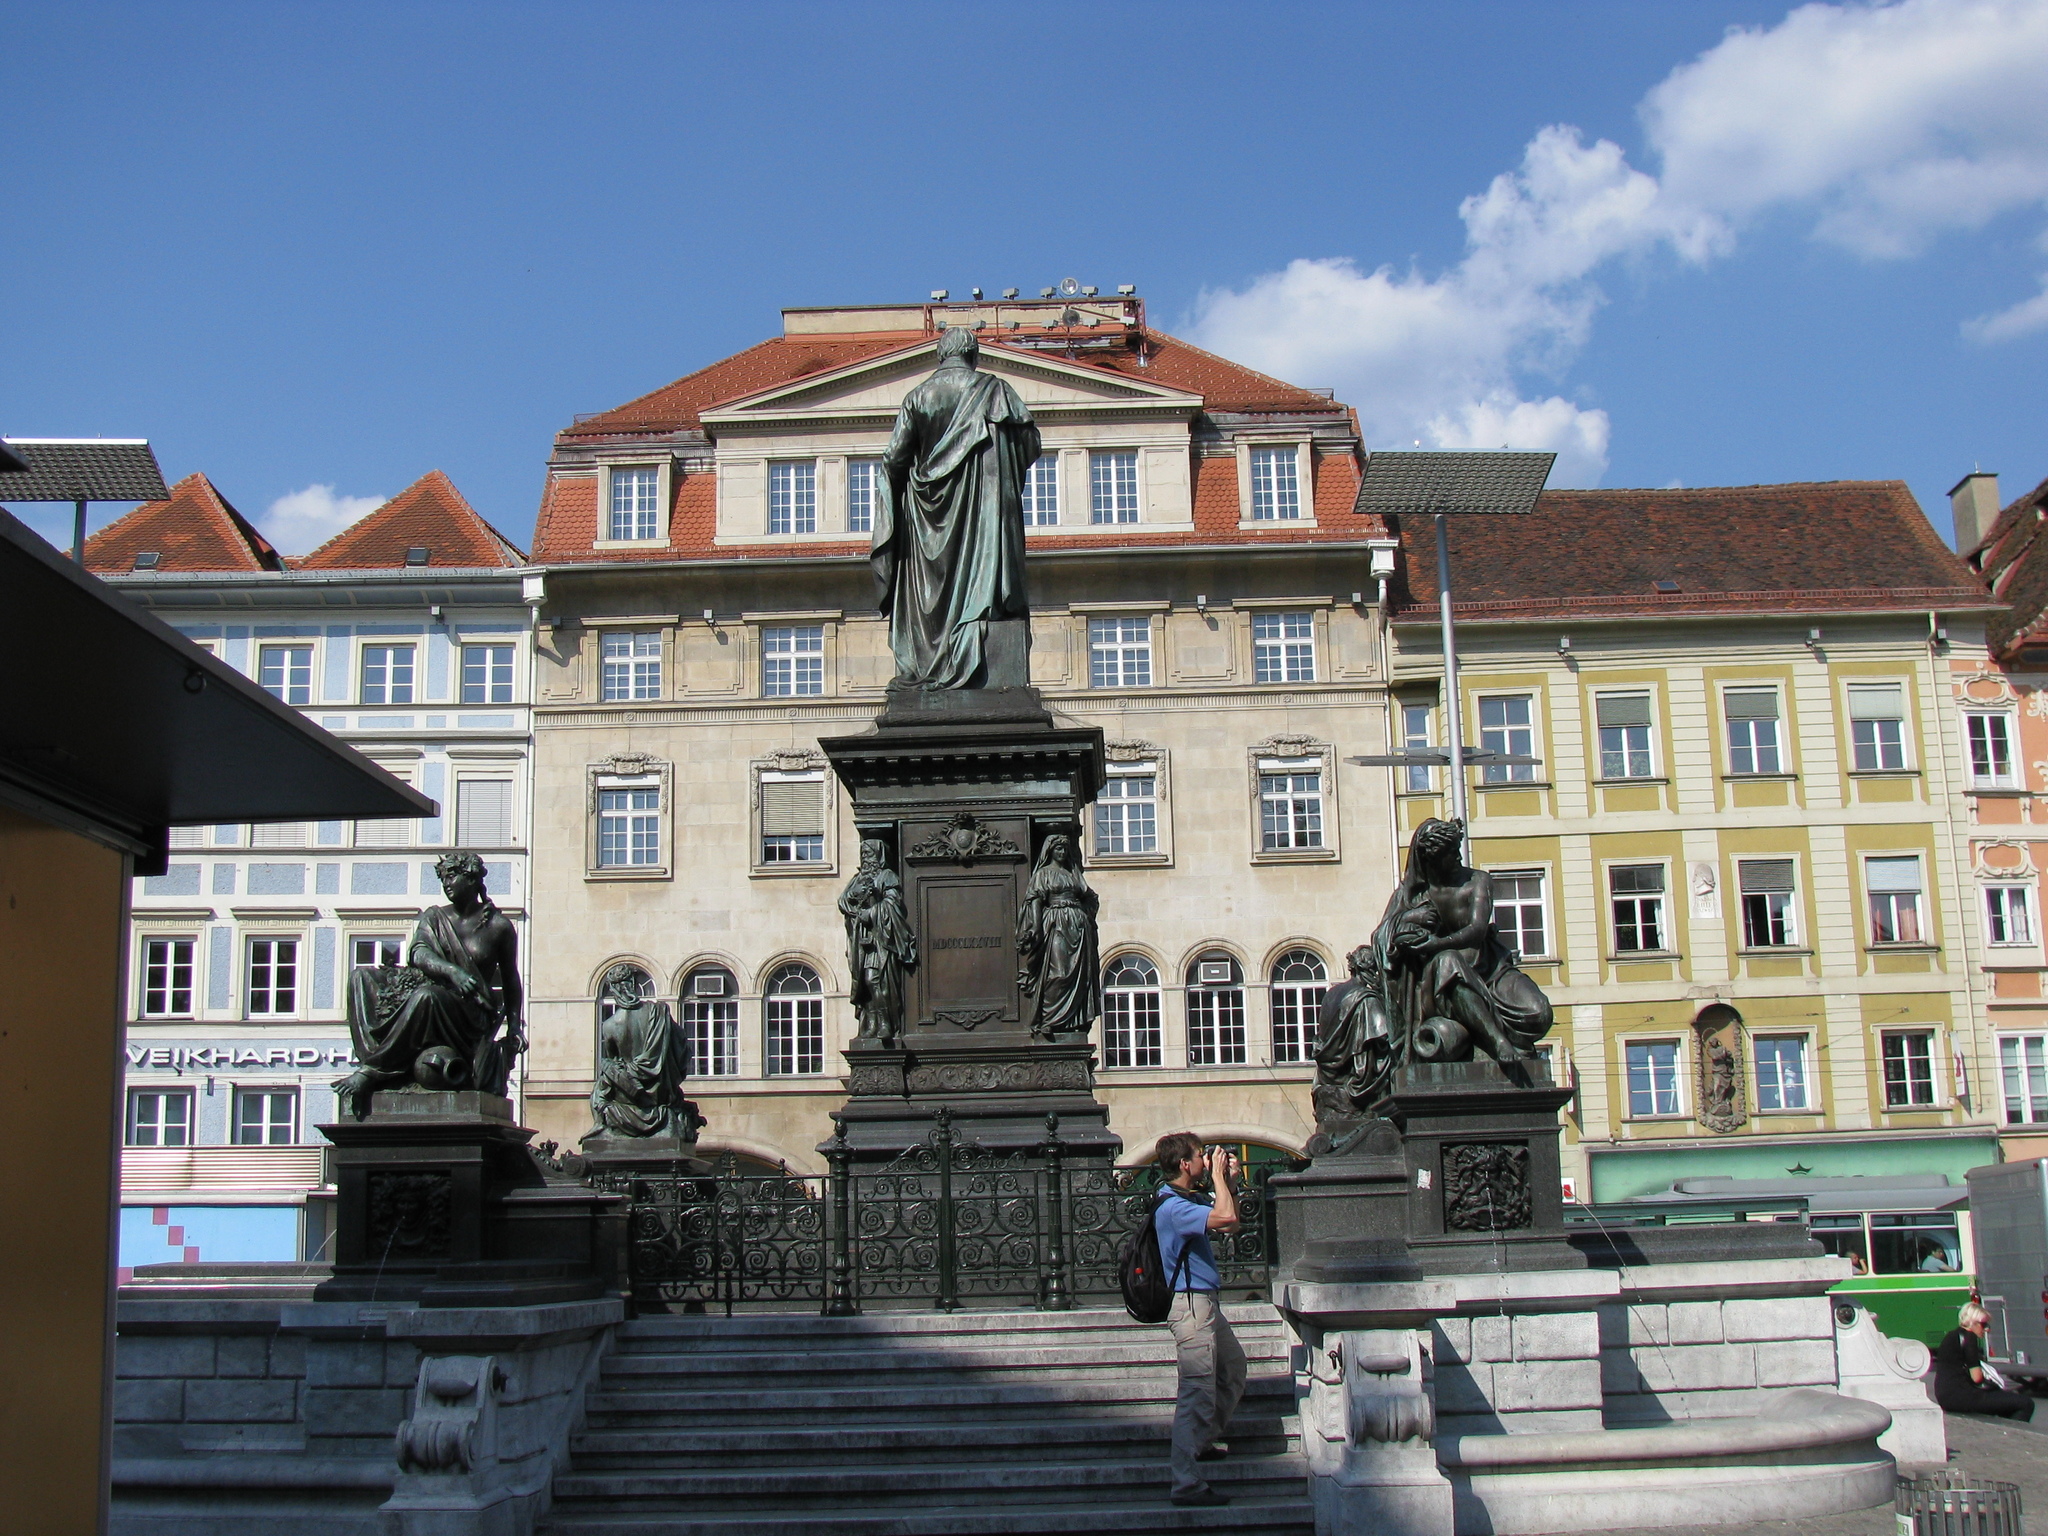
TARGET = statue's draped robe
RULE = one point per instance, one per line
(640, 1068)
(1056, 944)
(948, 545)
(1418, 991)
(397, 1011)
(1353, 1045)
(879, 943)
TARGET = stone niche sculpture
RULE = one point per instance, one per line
(1060, 963)
(642, 1060)
(880, 947)
(448, 1020)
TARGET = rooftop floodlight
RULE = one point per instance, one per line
(977, 294)
(1127, 289)
(1009, 293)
(417, 554)
(1045, 293)
(1090, 291)
(938, 295)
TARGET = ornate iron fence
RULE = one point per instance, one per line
(947, 1224)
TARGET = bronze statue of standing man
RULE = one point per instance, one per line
(948, 546)
(880, 947)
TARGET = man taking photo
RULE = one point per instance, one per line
(1211, 1360)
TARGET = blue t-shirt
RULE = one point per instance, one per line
(1182, 1221)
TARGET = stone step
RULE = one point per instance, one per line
(926, 1403)
(1052, 1360)
(1242, 1517)
(704, 1334)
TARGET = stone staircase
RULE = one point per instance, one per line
(917, 1424)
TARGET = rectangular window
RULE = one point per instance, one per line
(711, 1028)
(796, 1034)
(1284, 647)
(1653, 1078)
(792, 818)
(278, 834)
(1518, 912)
(487, 674)
(1507, 723)
(2023, 1070)
(1768, 915)
(1290, 805)
(160, 1117)
(632, 664)
(1416, 736)
(1990, 748)
(1894, 887)
(1752, 730)
(793, 661)
(1624, 735)
(2008, 915)
(387, 674)
(1781, 1072)
(628, 826)
(793, 497)
(375, 949)
(1276, 489)
(1216, 1033)
(266, 1117)
(1120, 653)
(1131, 1034)
(1113, 487)
(1127, 812)
(395, 833)
(1908, 1069)
(286, 672)
(636, 510)
(1042, 492)
(273, 978)
(167, 978)
(860, 495)
(1638, 894)
(483, 813)
(1877, 724)
(1922, 1243)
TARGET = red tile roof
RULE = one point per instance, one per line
(196, 530)
(431, 513)
(1846, 544)
(2013, 557)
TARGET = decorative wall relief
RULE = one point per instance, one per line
(964, 840)
(408, 1215)
(1723, 1086)
(1486, 1186)
(1706, 889)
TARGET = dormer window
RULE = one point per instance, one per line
(1276, 485)
(636, 503)
(793, 496)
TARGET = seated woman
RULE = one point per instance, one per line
(1960, 1385)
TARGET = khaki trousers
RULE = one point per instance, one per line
(1211, 1381)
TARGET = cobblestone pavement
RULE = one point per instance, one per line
(1993, 1448)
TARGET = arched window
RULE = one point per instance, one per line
(1298, 983)
(1130, 1013)
(711, 1021)
(1215, 1012)
(605, 1006)
(795, 1006)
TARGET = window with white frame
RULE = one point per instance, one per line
(636, 504)
(1752, 716)
(395, 832)
(1113, 487)
(1781, 1079)
(266, 1117)
(860, 494)
(1284, 647)
(1120, 653)
(2008, 915)
(1215, 1002)
(1127, 810)
(1894, 887)
(1518, 911)
(487, 674)
(187, 837)
(374, 949)
(1877, 726)
(2023, 1074)
(795, 1008)
(1908, 1056)
(1294, 996)
(167, 977)
(483, 813)
(1637, 893)
(273, 973)
(1290, 804)
(793, 497)
(387, 674)
(228, 835)
(1417, 735)
(628, 823)
(286, 672)
(1131, 1033)
(792, 817)
(278, 834)
(1624, 721)
(1990, 742)
(1507, 723)
(793, 661)
(631, 664)
(1769, 906)
(159, 1117)
(711, 1022)
(1652, 1077)
(1276, 484)
(1042, 492)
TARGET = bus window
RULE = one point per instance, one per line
(1920, 1243)
(1843, 1237)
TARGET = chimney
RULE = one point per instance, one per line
(1975, 501)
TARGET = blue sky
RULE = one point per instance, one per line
(316, 251)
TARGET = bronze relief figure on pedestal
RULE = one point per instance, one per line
(880, 947)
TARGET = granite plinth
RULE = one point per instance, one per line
(997, 1095)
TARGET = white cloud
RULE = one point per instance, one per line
(1886, 125)
(306, 519)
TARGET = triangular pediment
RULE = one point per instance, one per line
(876, 386)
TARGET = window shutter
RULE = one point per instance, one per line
(1751, 703)
(1764, 875)
(1623, 708)
(792, 807)
(278, 834)
(1892, 874)
(483, 813)
(1638, 879)
(1880, 701)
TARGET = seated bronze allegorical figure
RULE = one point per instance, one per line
(641, 1062)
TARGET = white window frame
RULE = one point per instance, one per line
(629, 772)
(1998, 731)
(1665, 946)
(1880, 744)
(1107, 492)
(1505, 737)
(464, 836)
(395, 941)
(388, 832)
(141, 1091)
(2005, 901)
(1287, 649)
(1789, 915)
(1133, 1028)
(1218, 1027)
(269, 1093)
(1932, 1036)
(824, 861)
(1678, 1111)
(1541, 875)
(491, 685)
(792, 1022)
(1159, 851)
(797, 516)
(1417, 778)
(636, 675)
(1286, 796)
(1292, 757)
(1125, 641)
(1042, 491)
(1275, 497)
(148, 965)
(1777, 744)
(1873, 894)
(2022, 1054)
(792, 661)
(1632, 751)
(862, 476)
(643, 523)
(1803, 1042)
(413, 685)
(296, 1005)
(291, 689)
(1293, 1006)
(716, 1054)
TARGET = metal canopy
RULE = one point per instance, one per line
(1427, 483)
(83, 469)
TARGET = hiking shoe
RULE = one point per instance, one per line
(1217, 1452)
(1200, 1498)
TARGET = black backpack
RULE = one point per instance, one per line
(1148, 1292)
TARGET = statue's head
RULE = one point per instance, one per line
(1438, 842)
(1365, 968)
(1058, 849)
(459, 869)
(874, 853)
(956, 341)
(622, 984)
